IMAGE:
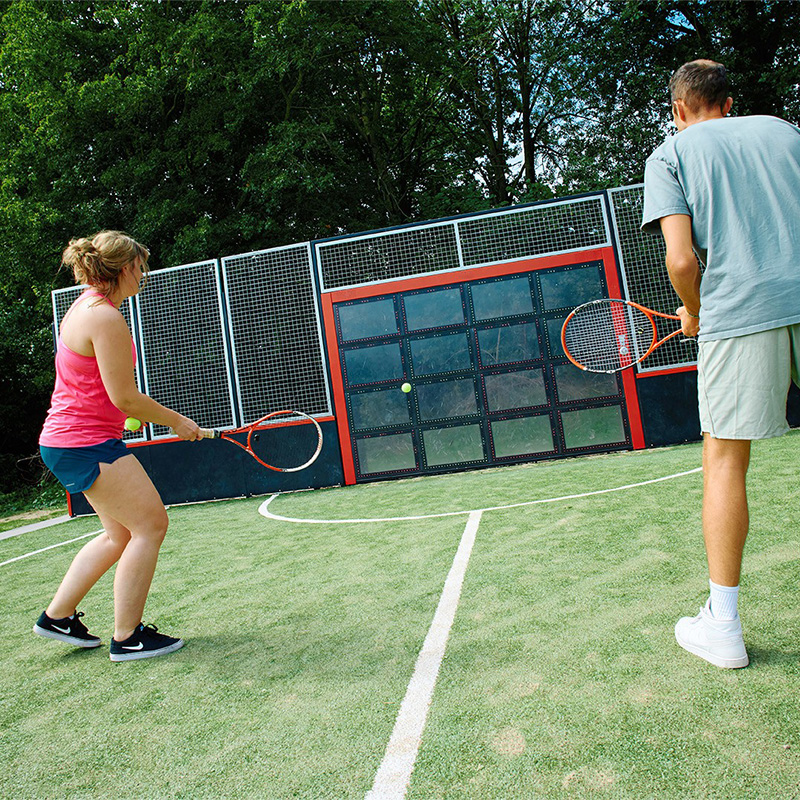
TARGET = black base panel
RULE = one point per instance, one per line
(669, 408)
(793, 407)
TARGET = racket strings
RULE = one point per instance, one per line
(287, 443)
(607, 336)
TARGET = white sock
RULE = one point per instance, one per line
(724, 601)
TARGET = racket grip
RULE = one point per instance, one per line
(206, 433)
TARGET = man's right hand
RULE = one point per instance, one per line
(690, 325)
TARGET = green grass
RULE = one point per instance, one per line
(561, 679)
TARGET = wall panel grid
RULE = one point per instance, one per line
(276, 335)
(495, 237)
(185, 358)
(62, 300)
(541, 230)
(645, 277)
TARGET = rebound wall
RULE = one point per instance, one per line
(468, 310)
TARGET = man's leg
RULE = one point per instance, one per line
(717, 637)
(725, 515)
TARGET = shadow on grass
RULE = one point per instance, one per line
(772, 656)
(69, 654)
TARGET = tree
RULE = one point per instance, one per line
(223, 126)
(631, 49)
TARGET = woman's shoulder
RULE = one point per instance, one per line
(92, 316)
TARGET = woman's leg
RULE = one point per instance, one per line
(89, 565)
(125, 494)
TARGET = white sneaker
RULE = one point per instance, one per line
(716, 640)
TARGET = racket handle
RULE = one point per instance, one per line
(206, 433)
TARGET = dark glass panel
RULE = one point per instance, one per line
(433, 309)
(365, 320)
(517, 437)
(372, 364)
(508, 343)
(576, 384)
(446, 353)
(515, 390)
(453, 445)
(502, 298)
(376, 409)
(446, 399)
(591, 427)
(386, 453)
(571, 287)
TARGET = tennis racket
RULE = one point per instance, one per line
(611, 335)
(283, 441)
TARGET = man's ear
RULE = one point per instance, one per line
(679, 112)
(726, 106)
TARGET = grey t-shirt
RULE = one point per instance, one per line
(738, 178)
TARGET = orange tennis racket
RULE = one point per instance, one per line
(283, 441)
(610, 335)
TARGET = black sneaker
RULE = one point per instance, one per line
(146, 642)
(69, 629)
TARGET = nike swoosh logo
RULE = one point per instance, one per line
(62, 630)
(139, 646)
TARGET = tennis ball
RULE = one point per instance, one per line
(132, 424)
(406, 387)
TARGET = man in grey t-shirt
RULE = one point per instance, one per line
(729, 189)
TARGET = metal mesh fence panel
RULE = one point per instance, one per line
(185, 358)
(386, 256)
(645, 277)
(535, 231)
(275, 332)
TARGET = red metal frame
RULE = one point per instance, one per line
(329, 299)
(657, 373)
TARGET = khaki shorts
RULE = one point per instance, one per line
(742, 383)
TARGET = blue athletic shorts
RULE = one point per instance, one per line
(77, 468)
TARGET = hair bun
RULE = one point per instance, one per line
(99, 261)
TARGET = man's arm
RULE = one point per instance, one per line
(684, 271)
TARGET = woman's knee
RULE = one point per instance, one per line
(118, 541)
(159, 524)
(151, 526)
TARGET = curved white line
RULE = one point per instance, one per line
(263, 509)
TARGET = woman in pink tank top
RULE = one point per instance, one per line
(81, 442)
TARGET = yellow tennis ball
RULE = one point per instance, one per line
(132, 424)
(406, 387)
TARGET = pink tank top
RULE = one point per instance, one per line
(81, 413)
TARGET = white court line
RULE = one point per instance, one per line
(394, 773)
(51, 547)
(263, 509)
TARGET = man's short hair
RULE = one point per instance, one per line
(700, 84)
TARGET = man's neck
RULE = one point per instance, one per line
(704, 116)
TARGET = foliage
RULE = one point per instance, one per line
(210, 128)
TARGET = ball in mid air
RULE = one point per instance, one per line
(406, 387)
(132, 424)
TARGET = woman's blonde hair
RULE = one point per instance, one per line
(99, 261)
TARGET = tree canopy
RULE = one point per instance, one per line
(223, 126)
